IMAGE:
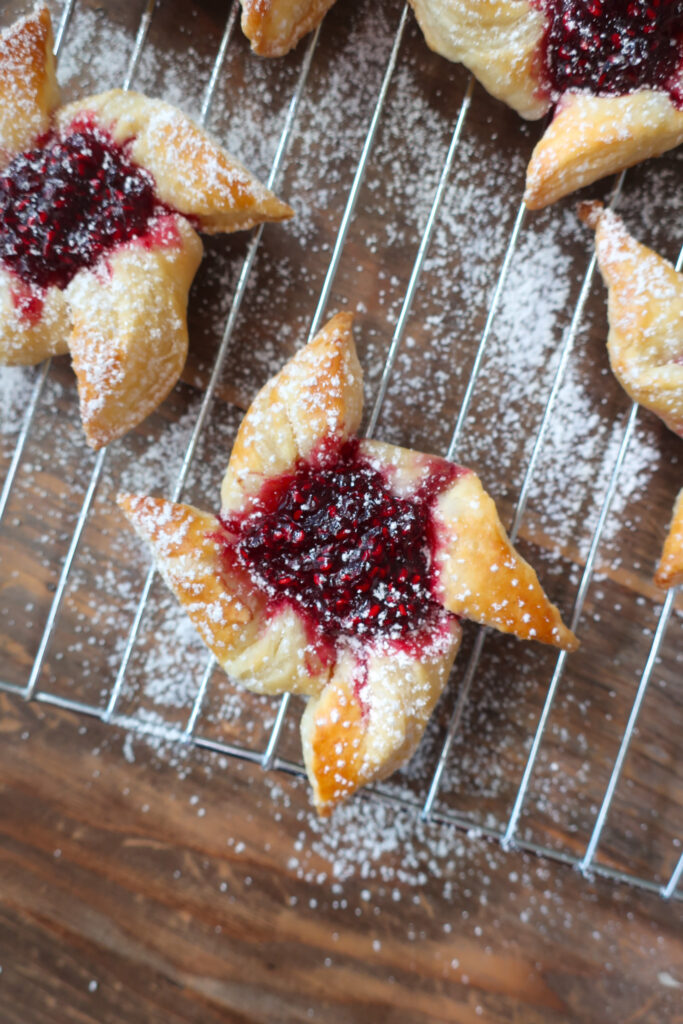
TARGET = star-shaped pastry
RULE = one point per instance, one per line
(100, 203)
(612, 70)
(339, 568)
(274, 27)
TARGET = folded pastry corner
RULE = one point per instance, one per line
(28, 82)
(370, 718)
(129, 338)
(591, 137)
(274, 27)
(317, 395)
(193, 174)
(483, 577)
(223, 610)
(645, 313)
(670, 567)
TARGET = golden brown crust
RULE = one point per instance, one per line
(33, 325)
(274, 27)
(645, 311)
(483, 578)
(500, 42)
(261, 651)
(670, 568)
(593, 136)
(28, 82)
(317, 395)
(222, 608)
(129, 338)
(371, 717)
(192, 173)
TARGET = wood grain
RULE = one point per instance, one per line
(134, 898)
(119, 902)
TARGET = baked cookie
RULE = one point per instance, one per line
(670, 568)
(645, 310)
(340, 568)
(612, 71)
(274, 27)
(100, 203)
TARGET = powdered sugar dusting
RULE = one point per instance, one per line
(426, 390)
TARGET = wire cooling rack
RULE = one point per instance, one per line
(353, 249)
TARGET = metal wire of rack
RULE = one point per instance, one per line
(268, 757)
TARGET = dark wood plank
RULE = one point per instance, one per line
(120, 902)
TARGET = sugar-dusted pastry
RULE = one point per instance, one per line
(670, 568)
(612, 70)
(100, 203)
(340, 568)
(274, 27)
(645, 310)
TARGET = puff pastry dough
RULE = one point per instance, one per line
(371, 696)
(274, 27)
(670, 568)
(123, 318)
(645, 310)
(503, 42)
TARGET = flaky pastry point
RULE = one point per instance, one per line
(317, 395)
(193, 174)
(129, 338)
(371, 717)
(669, 571)
(274, 27)
(28, 82)
(645, 313)
(483, 577)
(591, 137)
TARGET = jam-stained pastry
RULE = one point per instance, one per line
(339, 568)
(645, 310)
(670, 568)
(274, 27)
(99, 202)
(612, 71)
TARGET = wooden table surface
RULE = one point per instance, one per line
(130, 893)
(143, 880)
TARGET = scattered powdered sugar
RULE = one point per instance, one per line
(16, 386)
(365, 838)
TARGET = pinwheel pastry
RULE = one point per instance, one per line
(645, 310)
(100, 203)
(611, 69)
(340, 568)
(670, 568)
(274, 27)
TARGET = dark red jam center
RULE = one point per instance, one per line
(355, 560)
(612, 47)
(65, 203)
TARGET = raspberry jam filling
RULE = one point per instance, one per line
(65, 203)
(613, 47)
(353, 559)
